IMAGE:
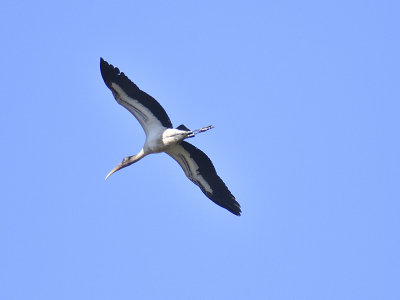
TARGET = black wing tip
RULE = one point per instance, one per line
(231, 205)
(108, 71)
(224, 198)
(236, 210)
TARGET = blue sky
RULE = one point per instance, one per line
(304, 96)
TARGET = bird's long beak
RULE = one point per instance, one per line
(127, 161)
(119, 167)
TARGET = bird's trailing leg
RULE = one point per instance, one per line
(194, 132)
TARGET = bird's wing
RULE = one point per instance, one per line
(145, 108)
(200, 170)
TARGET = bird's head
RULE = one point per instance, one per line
(127, 161)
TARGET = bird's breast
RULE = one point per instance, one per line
(154, 143)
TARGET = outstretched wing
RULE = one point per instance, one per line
(145, 108)
(200, 170)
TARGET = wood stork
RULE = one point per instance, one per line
(162, 137)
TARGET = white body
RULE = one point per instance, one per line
(160, 139)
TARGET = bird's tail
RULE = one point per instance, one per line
(194, 132)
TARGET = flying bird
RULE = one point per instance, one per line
(162, 137)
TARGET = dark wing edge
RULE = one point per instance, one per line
(112, 74)
(220, 194)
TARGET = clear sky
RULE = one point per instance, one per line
(305, 100)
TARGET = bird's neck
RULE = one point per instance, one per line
(135, 158)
